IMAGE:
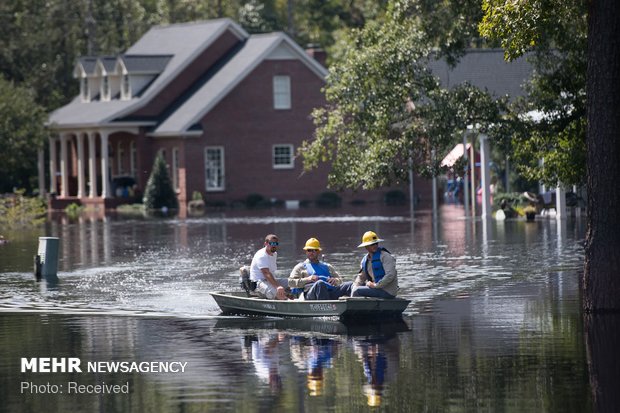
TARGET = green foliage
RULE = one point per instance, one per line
(197, 196)
(384, 107)
(73, 210)
(553, 33)
(130, 209)
(21, 135)
(159, 192)
(18, 210)
(512, 198)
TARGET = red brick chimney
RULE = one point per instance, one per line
(317, 53)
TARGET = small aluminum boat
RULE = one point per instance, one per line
(238, 303)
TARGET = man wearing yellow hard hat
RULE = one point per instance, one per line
(317, 279)
(377, 276)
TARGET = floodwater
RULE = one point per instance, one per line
(494, 323)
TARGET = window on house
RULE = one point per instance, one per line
(214, 168)
(84, 89)
(281, 92)
(119, 158)
(175, 168)
(125, 87)
(133, 158)
(283, 157)
(105, 88)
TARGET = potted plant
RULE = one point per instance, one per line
(530, 212)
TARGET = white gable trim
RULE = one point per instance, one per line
(289, 46)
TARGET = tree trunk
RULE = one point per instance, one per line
(601, 279)
(602, 344)
(601, 282)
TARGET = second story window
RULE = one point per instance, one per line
(281, 92)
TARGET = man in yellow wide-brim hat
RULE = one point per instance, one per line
(377, 276)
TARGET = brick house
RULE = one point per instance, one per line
(228, 111)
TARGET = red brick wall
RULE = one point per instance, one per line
(247, 125)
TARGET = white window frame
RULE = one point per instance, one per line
(175, 168)
(221, 167)
(274, 155)
(281, 92)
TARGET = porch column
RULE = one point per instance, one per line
(41, 171)
(92, 166)
(105, 176)
(485, 172)
(560, 202)
(53, 167)
(64, 173)
(80, 165)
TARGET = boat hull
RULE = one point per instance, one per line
(351, 307)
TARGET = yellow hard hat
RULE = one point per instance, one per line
(369, 238)
(374, 400)
(315, 385)
(312, 244)
(373, 395)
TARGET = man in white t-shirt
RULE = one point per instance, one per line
(263, 270)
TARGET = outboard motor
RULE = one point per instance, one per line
(247, 285)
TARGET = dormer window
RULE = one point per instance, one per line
(125, 87)
(84, 89)
(105, 88)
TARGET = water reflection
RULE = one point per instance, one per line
(314, 355)
(276, 352)
(379, 357)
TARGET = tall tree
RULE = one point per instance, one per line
(21, 135)
(385, 107)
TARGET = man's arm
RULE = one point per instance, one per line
(280, 294)
(334, 276)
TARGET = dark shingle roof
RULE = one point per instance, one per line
(89, 63)
(145, 63)
(109, 63)
(485, 69)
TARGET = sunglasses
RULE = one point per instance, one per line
(312, 250)
(274, 243)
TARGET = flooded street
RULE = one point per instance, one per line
(494, 323)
